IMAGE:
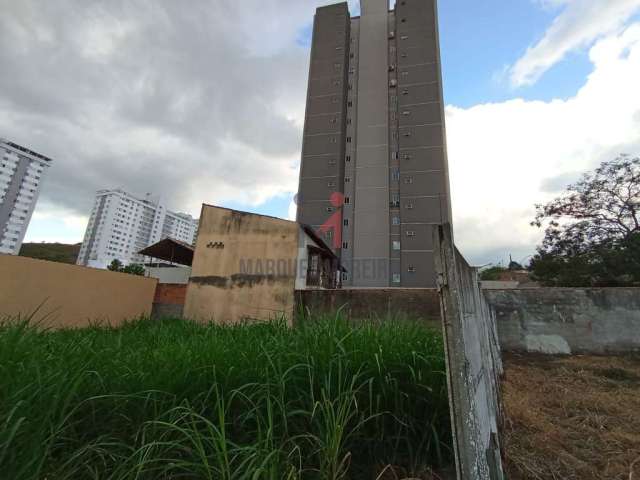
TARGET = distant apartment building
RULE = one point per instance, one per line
(122, 224)
(374, 175)
(21, 172)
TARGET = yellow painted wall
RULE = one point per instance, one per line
(74, 296)
(218, 290)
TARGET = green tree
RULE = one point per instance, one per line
(134, 269)
(115, 266)
(592, 232)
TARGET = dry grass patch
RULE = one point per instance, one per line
(572, 417)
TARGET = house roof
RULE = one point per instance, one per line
(170, 250)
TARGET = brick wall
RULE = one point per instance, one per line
(169, 300)
(171, 293)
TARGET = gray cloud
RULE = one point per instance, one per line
(157, 96)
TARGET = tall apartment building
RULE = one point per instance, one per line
(21, 172)
(374, 175)
(121, 224)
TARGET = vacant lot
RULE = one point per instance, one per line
(572, 417)
(176, 399)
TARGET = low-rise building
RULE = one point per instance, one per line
(247, 266)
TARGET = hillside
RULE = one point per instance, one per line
(55, 252)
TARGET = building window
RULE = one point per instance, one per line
(394, 155)
(345, 245)
(332, 161)
(347, 200)
(395, 174)
(409, 206)
(348, 158)
(411, 233)
(347, 179)
(395, 220)
(395, 200)
(329, 234)
(350, 103)
(345, 222)
(396, 244)
(345, 276)
(329, 209)
(348, 139)
(408, 180)
(331, 184)
(333, 140)
(411, 269)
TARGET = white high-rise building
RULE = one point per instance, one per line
(121, 225)
(21, 172)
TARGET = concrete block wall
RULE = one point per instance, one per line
(421, 304)
(568, 320)
(474, 364)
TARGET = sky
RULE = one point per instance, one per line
(205, 104)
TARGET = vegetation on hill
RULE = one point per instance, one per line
(592, 231)
(176, 399)
(54, 252)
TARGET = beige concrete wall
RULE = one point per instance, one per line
(74, 296)
(220, 289)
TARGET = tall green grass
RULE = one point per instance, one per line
(176, 399)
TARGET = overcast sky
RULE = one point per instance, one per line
(203, 101)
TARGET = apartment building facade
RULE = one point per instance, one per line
(374, 175)
(21, 174)
(122, 224)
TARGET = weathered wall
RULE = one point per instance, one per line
(568, 320)
(412, 303)
(224, 290)
(474, 365)
(74, 296)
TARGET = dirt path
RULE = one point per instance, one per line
(572, 417)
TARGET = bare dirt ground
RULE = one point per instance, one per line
(572, 417)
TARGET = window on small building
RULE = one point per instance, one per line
(396, 244)
(395, 278)
(395, 220)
